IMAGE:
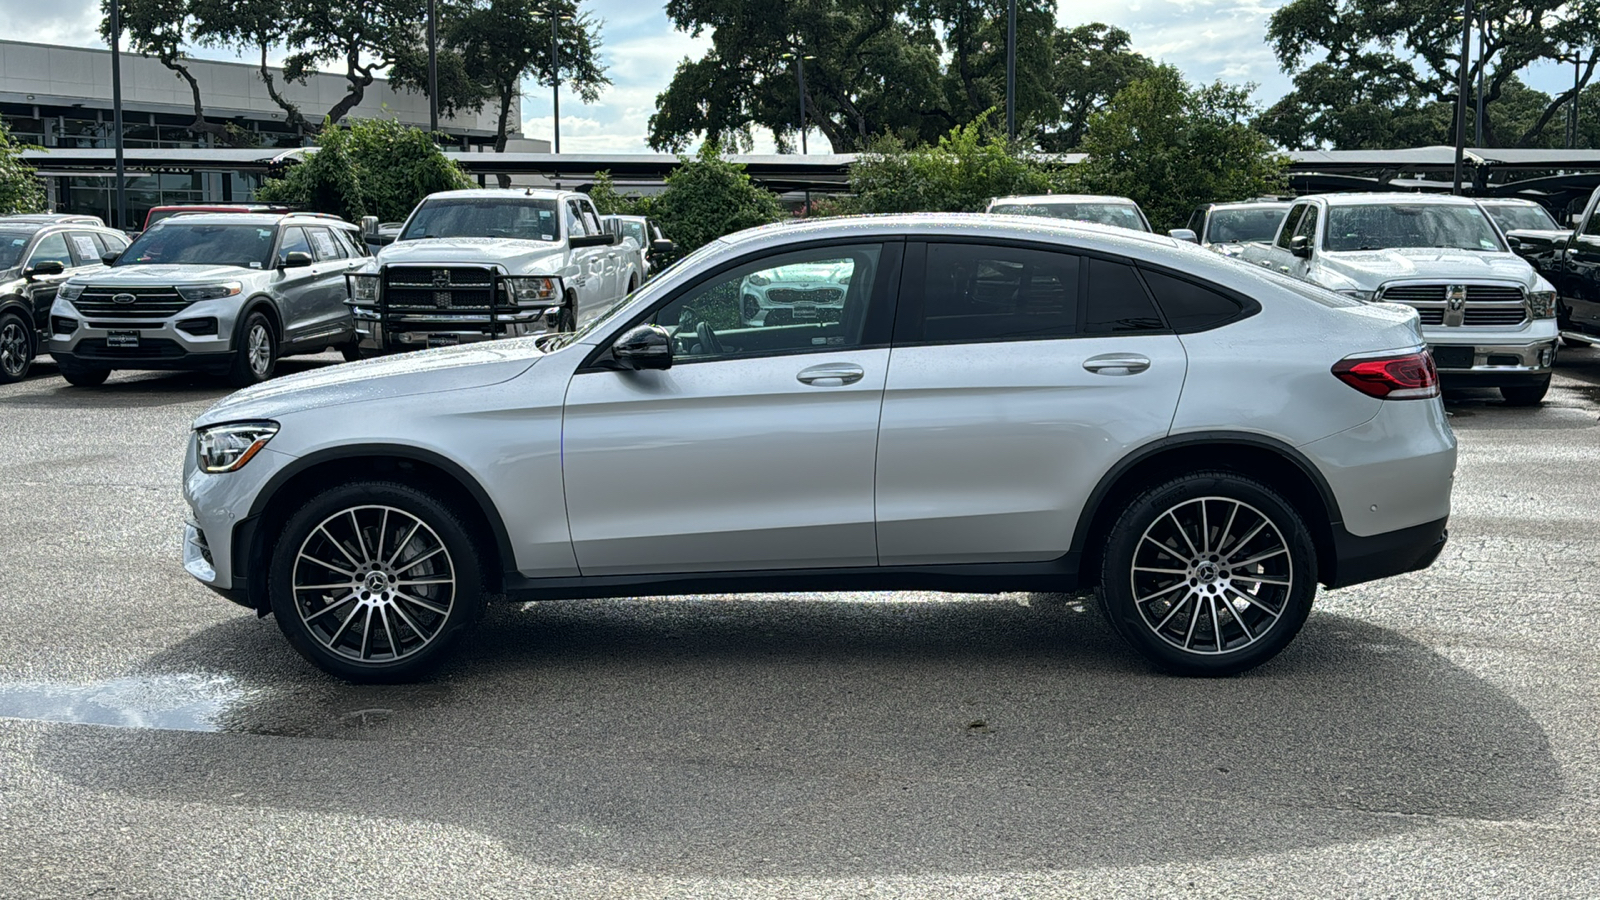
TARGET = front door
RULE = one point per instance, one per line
(1019, 377)
(755, 450)
(41, 289)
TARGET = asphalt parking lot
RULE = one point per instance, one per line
(1436, 734)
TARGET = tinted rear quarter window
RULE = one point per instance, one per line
(1117, 302)
(1189, 306)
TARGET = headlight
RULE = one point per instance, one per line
(1542, 304)
(533, 290)
(758, 279)
(226, 448)
(70, 291)
(210, 291)
(362, 288)
(1363, 296)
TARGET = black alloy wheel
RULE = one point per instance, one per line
(16, 348)
(80, 375)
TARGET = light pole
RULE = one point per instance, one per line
(1461, 93)
(116, 111)
(556, 18)
(800, 85)
(1483, 63)
(1011, 69)
(433, 65)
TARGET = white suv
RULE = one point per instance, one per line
(998, 406)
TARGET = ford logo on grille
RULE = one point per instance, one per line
(123, 298)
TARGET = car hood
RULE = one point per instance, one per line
(1369, 269)
(403, 375)
(515, 255)
(165, 273)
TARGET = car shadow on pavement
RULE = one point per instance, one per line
(846, 736)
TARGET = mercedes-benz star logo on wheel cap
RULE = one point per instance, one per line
(123, 298)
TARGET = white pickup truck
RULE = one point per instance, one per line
(483, 264)
(1487, 316)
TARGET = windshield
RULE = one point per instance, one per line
(1511, 217)
(12, 243)
(1242, 224)
(1389, 226)
(526, 219)
(1122, 215)
(177, 241)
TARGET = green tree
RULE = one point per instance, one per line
(707, 197)
(373, 167)
(1379, 73)
(20, 188)
(967, 168)
(1092, 63)
(1171, 146)
(611, 202)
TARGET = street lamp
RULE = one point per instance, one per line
(116, 110)
(800, 81)
(556, 18)
(433, 66)
(1461, 93)
(1011, 69)
(1572, 108)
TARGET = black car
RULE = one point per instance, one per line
(35, 258)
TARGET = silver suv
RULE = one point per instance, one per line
(228, 293)
(1000, 405)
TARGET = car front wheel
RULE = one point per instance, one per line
(372, 581)
(256, 354)
(1208, 574)
(16, 348)
(1526, 395)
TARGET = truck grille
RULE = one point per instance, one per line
(438, 289)
(1504, 315)
(147, 302)
(793, 295)
(1486, 304)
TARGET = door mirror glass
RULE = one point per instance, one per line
(110, 257)
(1185, 234)
(663, 247)
(1300, 246)
(296, 259)
(45, 267)
(644, 347)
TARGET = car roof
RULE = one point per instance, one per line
(1361, 199)
(255, 218)
(1109, 238)
(1508, 201)
(504, 194)
(1047, 199)
(1245, 204)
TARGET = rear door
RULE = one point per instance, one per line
(334, 259)
(1019, 376)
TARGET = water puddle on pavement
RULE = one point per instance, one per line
(169, 702)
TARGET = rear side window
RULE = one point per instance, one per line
(1189, 306)
(1117, 301)
(326, 247)
(978, 292)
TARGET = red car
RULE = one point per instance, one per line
(158, 213)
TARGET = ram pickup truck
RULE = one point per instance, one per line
(1487, 316)
(484, 264)
(1570, 260)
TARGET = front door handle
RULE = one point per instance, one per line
(831, 375)
(1117, 364)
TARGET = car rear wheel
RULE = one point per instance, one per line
(1208, 574)
(372, 581)
(255, 353)
(1526, 395)
(16, 348)
(352, 351)
(79, 375)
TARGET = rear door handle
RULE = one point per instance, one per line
(1117, 364)
(831, 375)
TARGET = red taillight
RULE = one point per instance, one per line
(1409, 376)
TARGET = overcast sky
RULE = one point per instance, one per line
(1207, 39)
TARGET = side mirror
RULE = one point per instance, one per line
(48, 267)
(1514, 242)
(110, 257)
(591, 240)
(296, 259)
(1184, 234)
(663, 247)
(1300, 246)
(1575, 219)
(369, 225)
(645, 347)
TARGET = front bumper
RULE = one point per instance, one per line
(219, 521)
(1493, 359)
(413, 332)
(161, 343)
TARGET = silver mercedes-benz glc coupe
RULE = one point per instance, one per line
(1002, 404)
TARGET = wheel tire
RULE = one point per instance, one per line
(566, 322)
(16, 348)
(1526, 395)
(1238, 618)
(80, 375)
(352, 351)
(340, 546)
(255, 354)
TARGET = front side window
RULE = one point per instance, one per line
(184, 242)
(1515, 216)
(52, 248)
(575, 224)
(798, 302)
(1290, 224)
(522, 218)
(294, 241)
(1387, 226)
(981, 292)
(1308, 227)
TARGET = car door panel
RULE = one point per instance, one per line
(721, 466)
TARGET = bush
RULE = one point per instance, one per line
(372, 168)
(707, 197)
(970, 166)
(20, 188)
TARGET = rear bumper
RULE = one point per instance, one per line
(1362, 559)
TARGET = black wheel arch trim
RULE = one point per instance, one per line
(1188, 439)
(246, 548)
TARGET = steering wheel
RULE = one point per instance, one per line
(709, 344)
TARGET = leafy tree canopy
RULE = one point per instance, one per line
(372, 168)
(20, 188)
(966, 169)
(707, 197)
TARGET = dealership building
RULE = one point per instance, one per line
(59, 98)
